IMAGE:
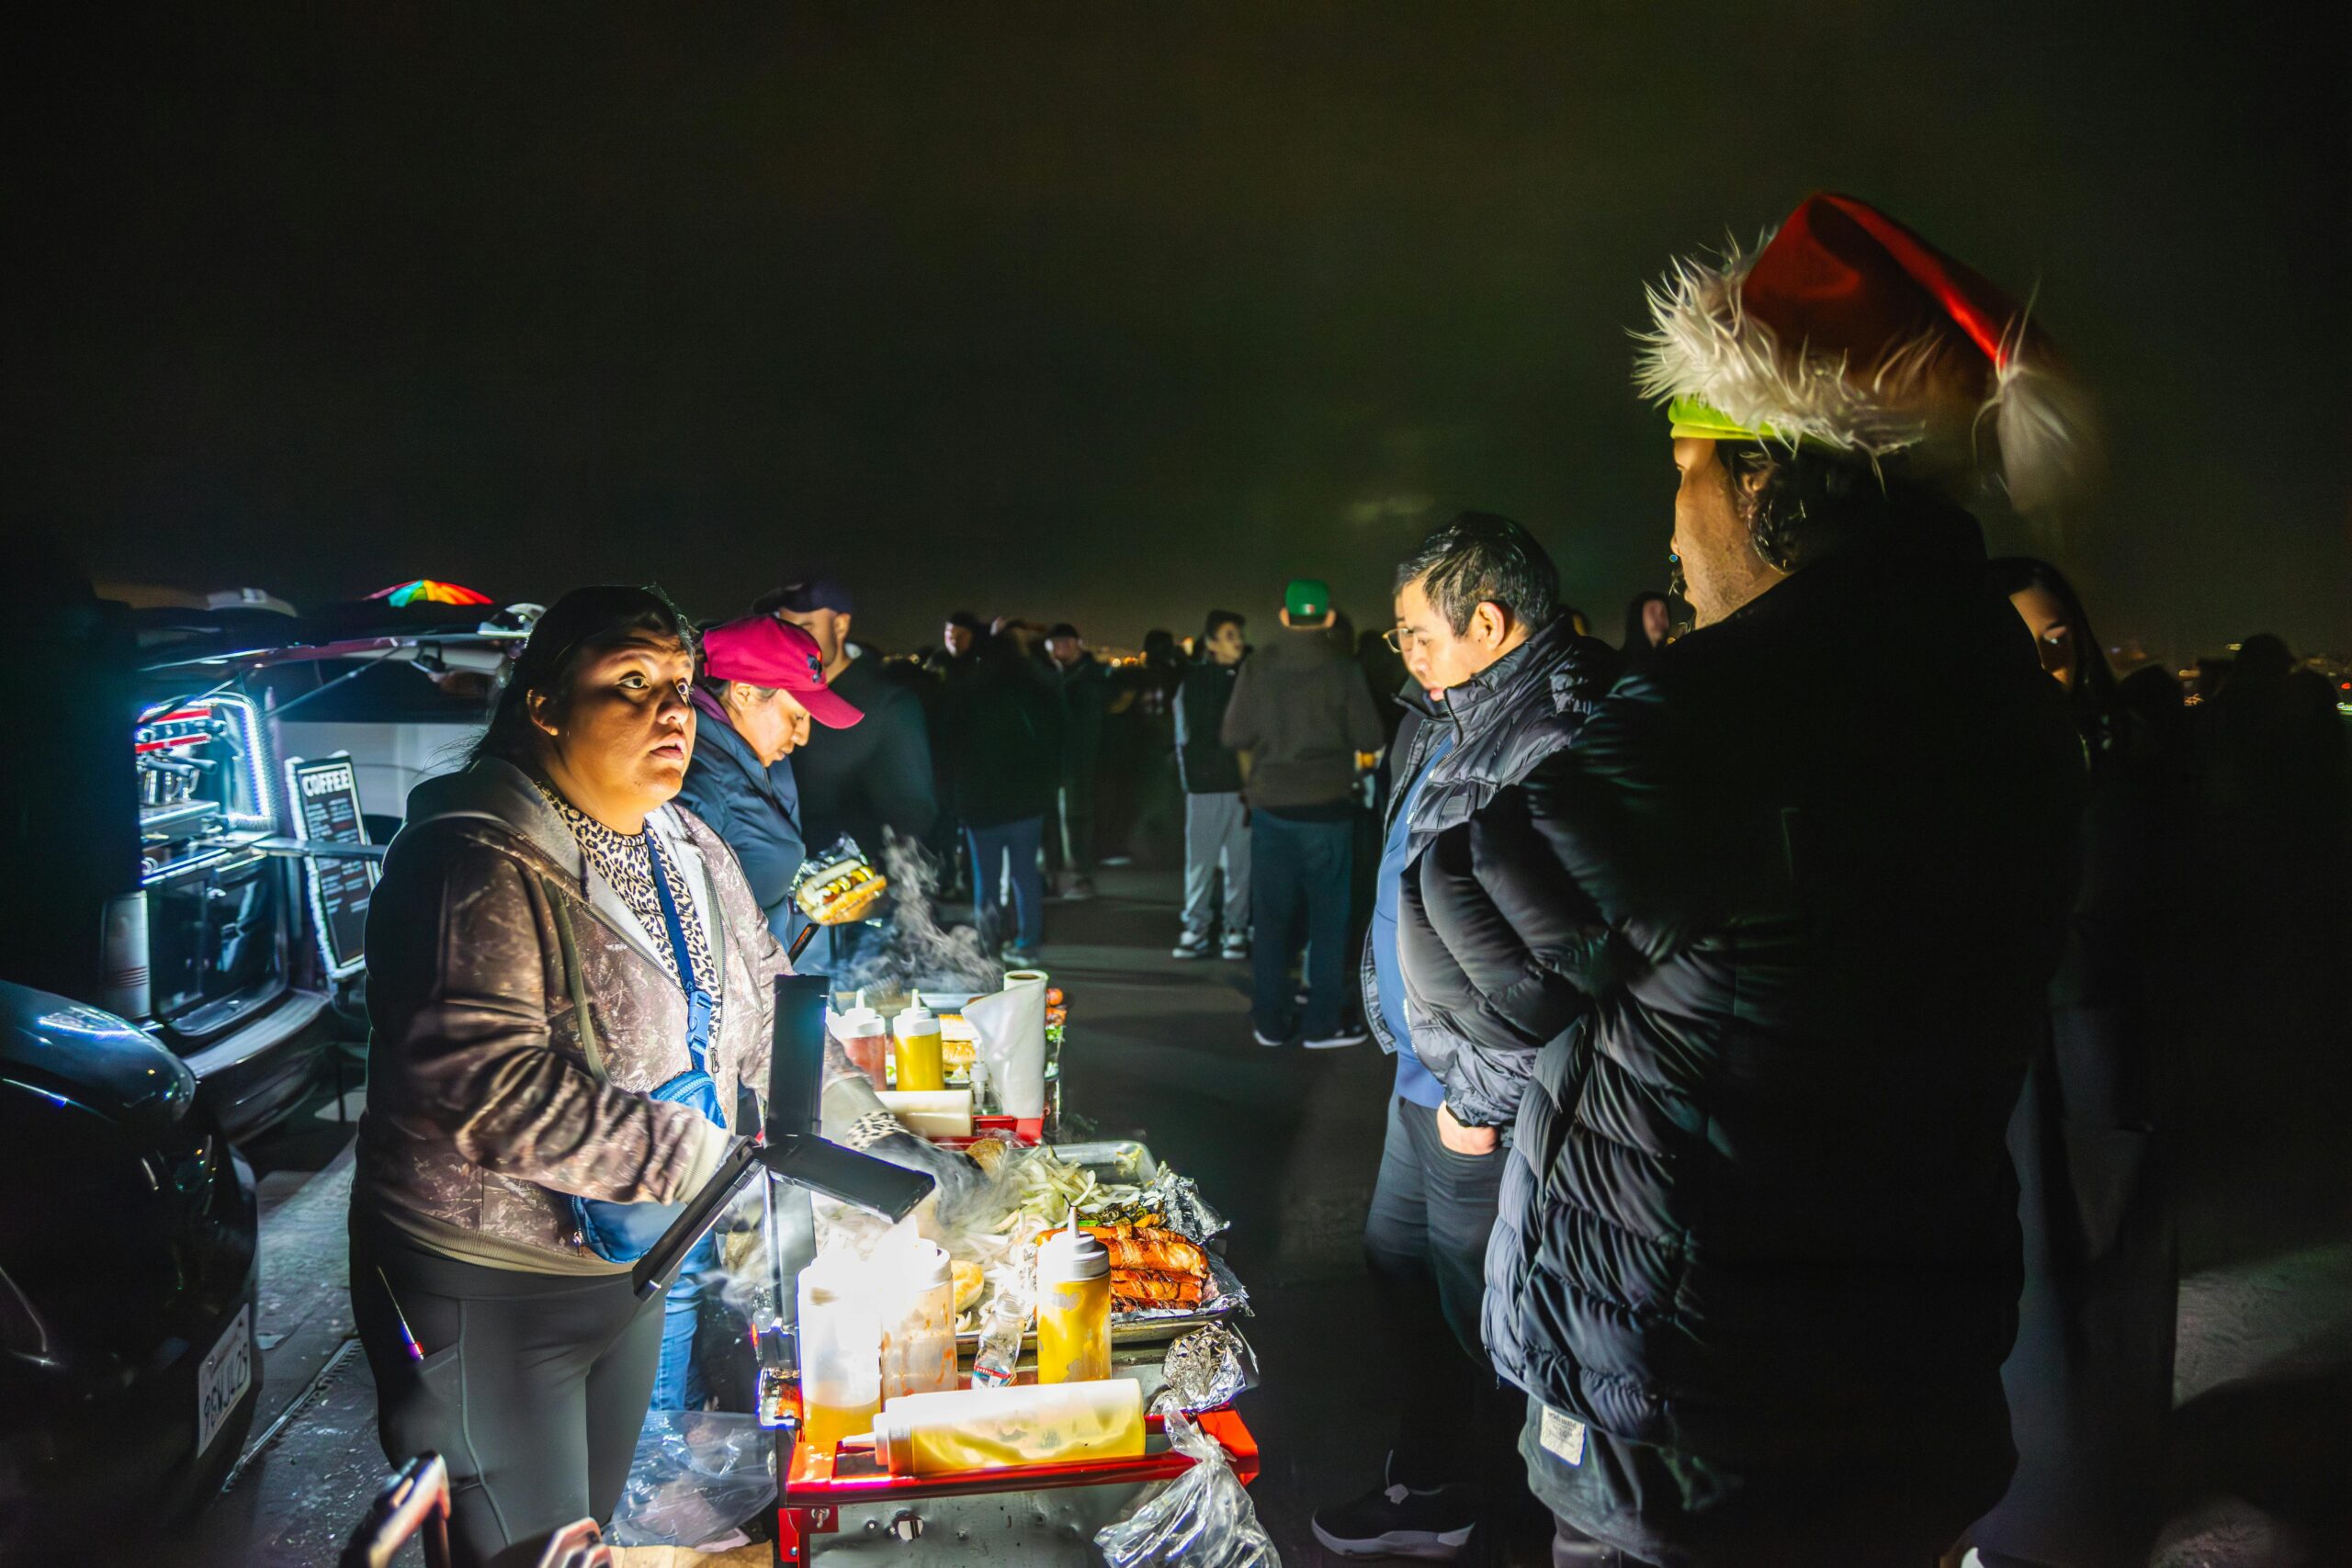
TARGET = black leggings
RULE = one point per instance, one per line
(533, 1387)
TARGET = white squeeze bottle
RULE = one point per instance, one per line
(841, 1353)
(919, 1348)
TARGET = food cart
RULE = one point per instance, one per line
(998, 1191)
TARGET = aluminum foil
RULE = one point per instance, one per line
(1205, 1369)
(1188, 1213)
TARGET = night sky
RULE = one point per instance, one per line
(1111, 313)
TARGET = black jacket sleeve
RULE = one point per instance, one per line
(1486, 917)
(898, 773)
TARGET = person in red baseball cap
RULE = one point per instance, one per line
(762, 681)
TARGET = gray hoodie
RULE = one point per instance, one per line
(519, 1012)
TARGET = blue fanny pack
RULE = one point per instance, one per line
(623, 1232)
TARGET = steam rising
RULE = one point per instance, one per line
(913, 950)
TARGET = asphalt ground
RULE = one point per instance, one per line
(1286, 1143)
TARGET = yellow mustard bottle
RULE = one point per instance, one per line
(1073, 1307)
(939, 1434)
(919, 1060)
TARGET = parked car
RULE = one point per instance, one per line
(128, 1370)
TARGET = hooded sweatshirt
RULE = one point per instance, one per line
(1302, 712)
(519, 1012)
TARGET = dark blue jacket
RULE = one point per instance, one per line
(755, 809)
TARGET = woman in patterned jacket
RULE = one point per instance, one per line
(568, 980)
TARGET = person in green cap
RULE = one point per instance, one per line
(1300, 715)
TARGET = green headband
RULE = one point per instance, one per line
(1694, 420)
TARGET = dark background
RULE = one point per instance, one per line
(1109, 311)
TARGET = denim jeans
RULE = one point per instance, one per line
(1298, 886)
(678, 1382)
(990, 846)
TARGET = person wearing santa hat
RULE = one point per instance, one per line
(1793, 914)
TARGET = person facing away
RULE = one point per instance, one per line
(1083, 685)
(2090, 1377)
(1001, 739)
(1216, 825)
(553, 944)
(872, 782)
(1757, 1258)
(1299, 715)
(1497, 681)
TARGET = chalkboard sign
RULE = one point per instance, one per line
(325, 798)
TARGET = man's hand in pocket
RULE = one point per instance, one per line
(1464, 1140)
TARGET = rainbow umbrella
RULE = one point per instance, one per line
(427, 591)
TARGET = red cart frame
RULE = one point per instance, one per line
(811, 1497)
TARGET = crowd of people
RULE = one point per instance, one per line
(1749, 1001)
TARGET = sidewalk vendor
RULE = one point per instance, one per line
(569, 978)
(762, 681)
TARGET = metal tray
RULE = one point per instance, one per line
(1125, 1160)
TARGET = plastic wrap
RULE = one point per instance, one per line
(1203, 1519)
(696, 1476)
(1008, 1041)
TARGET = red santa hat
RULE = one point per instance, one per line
(1846, 329)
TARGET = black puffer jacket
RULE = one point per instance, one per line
(1759, 1214)
(1503, 721)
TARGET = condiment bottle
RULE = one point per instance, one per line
(919, 1347)
(987, 1428)
(919, 1061)
(841, 1353)
(867, 1041)
(1073, 1306)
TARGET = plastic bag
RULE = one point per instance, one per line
(1205, 1519)
(1009, 1028)
(697, 1474)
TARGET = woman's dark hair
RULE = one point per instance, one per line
(2092, 689)
(581, 623)
(1480, 558)
(1638, 637)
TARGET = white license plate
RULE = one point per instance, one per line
(226, 1377)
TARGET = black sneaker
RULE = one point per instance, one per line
(1397, 1521)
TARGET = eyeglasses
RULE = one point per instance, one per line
(1399, 637)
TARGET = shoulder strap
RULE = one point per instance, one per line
(575, 982)
(688, 978)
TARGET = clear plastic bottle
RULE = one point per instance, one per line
(841, 1353)
(1003, 1325)
(919, 1347)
